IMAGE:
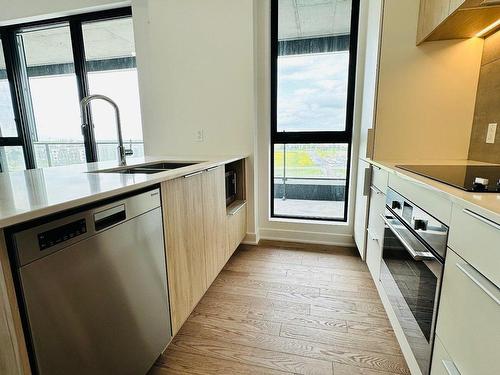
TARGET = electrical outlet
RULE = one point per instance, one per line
(199, 135)
(492, 130)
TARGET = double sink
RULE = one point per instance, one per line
(148, 168)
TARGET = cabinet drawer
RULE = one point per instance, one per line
(469, 318)
(377, 208)
(236, 227)
(442, 364)
(477, 240)
(380, 178)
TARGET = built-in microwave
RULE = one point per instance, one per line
(230, 187)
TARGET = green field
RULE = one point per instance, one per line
(310, 161)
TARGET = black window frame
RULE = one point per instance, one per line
(21, 103)
(312, 137)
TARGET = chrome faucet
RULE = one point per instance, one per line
(122, 152)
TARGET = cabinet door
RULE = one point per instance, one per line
(442, 364)
(214, 222)
(469, 318)
(375, 232)
(455, 4)
(186, 266)
(432, 13)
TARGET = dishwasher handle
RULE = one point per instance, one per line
(111, 216)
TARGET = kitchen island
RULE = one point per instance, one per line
(201, 232)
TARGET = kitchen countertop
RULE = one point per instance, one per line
(30, 194)
(486, 204)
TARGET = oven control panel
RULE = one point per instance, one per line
(430, 230)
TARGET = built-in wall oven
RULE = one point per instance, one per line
(414, 250)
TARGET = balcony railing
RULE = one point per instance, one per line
(55, 153)
(310, 188)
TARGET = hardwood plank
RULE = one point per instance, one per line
(375, 344)
(213, 306)
(218, 286)
(349, 356)
(225, 279)
(350, 315)
(270, 269)
(299, 319)
(249, 301)
(251, 355)
(245, 324)
(303, 280)
(328, 301)
(343, 369)
(363, 295)
(372, 330)
(359, 272)
(176, 362)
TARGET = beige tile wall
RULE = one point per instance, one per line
(487, 104)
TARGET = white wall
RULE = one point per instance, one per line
(426, 94)
(196, 72)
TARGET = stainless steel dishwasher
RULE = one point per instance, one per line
(94, 288)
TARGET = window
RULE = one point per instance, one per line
(11, 151)
(53, 65)
(111, 71)
(51, 89)
(312, 103)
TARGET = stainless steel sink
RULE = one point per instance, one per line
(148, 168)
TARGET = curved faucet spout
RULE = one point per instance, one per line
(84, 103)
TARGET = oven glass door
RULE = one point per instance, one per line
(411, 276)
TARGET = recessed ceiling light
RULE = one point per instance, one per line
(489, 28)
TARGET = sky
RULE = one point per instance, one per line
(312, 91)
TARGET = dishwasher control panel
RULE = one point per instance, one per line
(60, 234)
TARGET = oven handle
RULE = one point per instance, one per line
(406, 245)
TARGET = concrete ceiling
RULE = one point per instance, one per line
(300, 19)
(103, 40)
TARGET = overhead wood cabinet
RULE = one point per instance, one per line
(454, 19)
(184, 235)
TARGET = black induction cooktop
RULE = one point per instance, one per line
(476, 178)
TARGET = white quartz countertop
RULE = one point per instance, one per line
(34, 193)
(486, 204)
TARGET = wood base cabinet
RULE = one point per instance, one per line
(186, 266)
(214, 222)
(200, 237)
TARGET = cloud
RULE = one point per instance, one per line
(312, 92)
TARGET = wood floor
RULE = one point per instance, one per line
(285, 310)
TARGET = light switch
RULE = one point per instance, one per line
(492, 130)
